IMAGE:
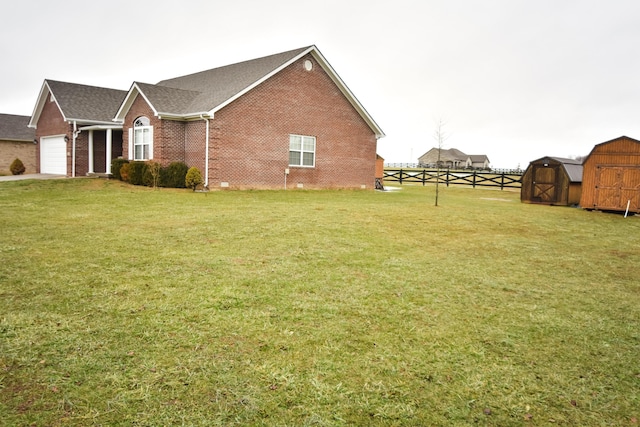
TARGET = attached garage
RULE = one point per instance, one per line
(552, 181)
(611, 179)
(53, 155)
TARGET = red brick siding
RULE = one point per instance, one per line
(250, 137)
(168, 140)
(52, 123)
(195, 135)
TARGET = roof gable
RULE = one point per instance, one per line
(208, 91)
(597, 146)
(220, 86)
(15, 128)
(81, 103)
(572, 167)
(478, 158)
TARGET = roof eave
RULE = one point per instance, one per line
(345, 90)
(186, 117)
(16, 139)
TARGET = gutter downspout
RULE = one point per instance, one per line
(73, 150)
(206, 151)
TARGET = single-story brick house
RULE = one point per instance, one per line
(286, 117)
(16, 142)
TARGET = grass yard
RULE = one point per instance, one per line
(129, 306)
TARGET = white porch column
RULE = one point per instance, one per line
(109, 150)
(90, 151)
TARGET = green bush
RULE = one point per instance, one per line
(174, 175)
(17, 167)
(136, 172)
(193, 178)
(116, 166)
(151, 173)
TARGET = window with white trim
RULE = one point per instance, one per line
(142, 139)
(302, 150)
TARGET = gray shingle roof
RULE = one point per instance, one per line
(86, 103)
(168, 99)
(216, 86)
(574, 171)
(14, 128)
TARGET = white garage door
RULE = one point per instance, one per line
(53, 155)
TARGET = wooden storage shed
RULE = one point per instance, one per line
(611, 178)
(552, 181)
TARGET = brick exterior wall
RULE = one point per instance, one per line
(250, 136)
(195, 137)
(11, 150)
(52, 123)
(168, 136)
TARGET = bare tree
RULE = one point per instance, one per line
(440, 137)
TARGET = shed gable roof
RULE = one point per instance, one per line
(572, 167)
(15, 128)
(81, 103)
(597, 146)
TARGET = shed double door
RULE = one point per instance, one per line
(545, 183)
(617, 186)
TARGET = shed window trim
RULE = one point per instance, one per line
(302, 151)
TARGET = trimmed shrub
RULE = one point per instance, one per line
(17, 167)
(136, 172)
(193, 178)
(174, 175)
(116, 166)
(124, 172)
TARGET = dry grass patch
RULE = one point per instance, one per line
(130, 306)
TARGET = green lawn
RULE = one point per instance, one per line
(130, 306)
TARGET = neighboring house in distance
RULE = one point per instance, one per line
(16, 142)
(478, 161)
(453, 158)
(286, 117)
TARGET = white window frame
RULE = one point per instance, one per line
(141, 126)
(297, 145)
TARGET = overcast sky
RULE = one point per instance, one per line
(514, 79)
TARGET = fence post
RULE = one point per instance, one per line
(502, 181)
(424, 174)
(474, 179)
(400, 176)
(447, 177)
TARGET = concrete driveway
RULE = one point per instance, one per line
(30, 176)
